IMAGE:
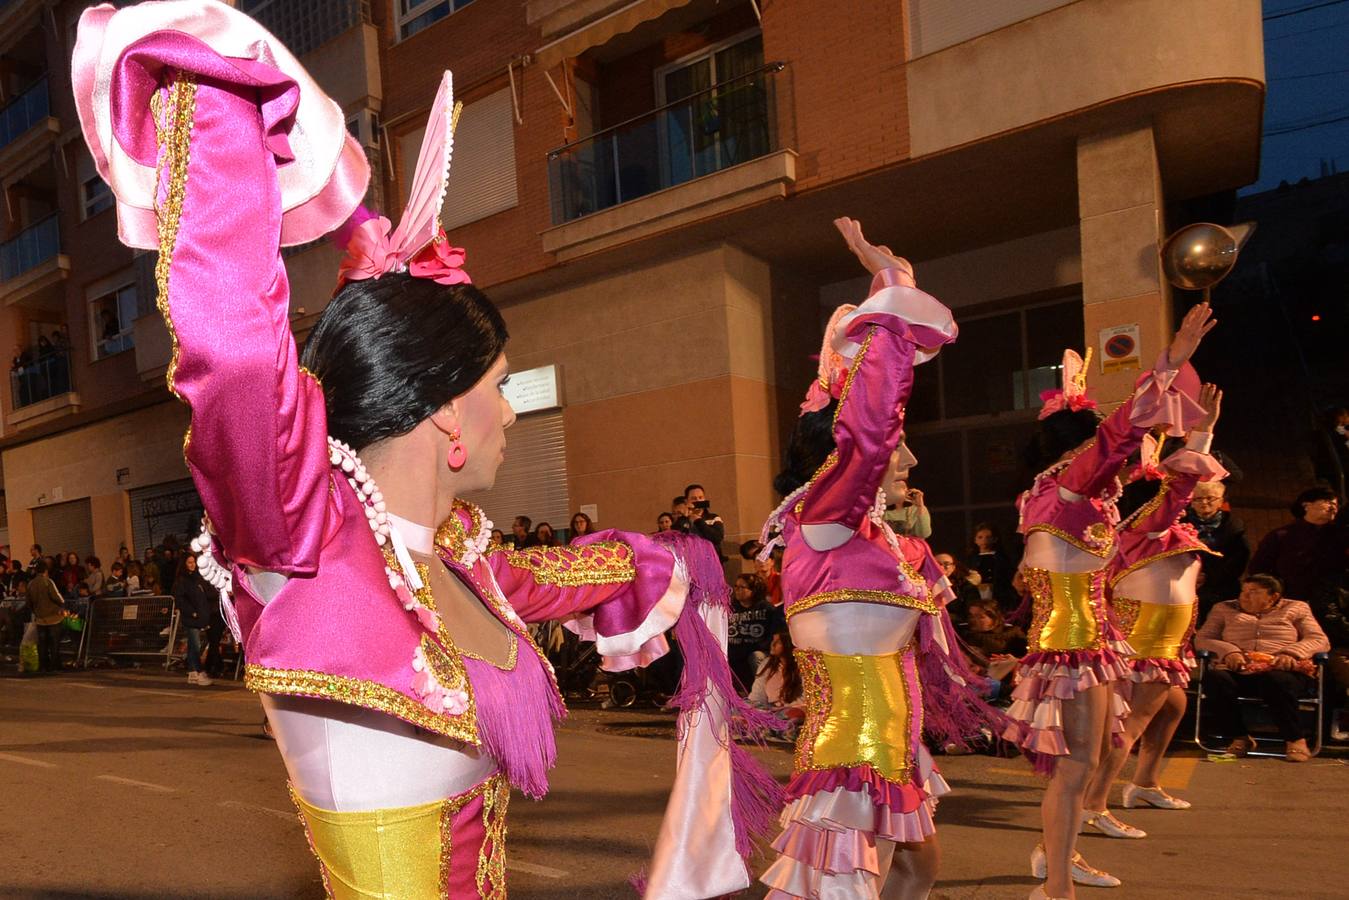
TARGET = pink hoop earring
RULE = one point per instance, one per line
(458, 455)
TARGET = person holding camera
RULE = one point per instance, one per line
(700, 519)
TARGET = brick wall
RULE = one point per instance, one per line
(844, 85)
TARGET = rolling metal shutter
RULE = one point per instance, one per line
(160, 510)
(533, 479)
(61, 527)
(482, 168)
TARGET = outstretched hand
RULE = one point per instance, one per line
(1198, 322)
(874, 258)
(1211, 399)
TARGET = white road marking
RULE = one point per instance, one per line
(117, 779)
(162, 693)
(25, 761)
(252, 807)
(531, 869)
(85, 684)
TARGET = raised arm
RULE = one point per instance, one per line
(1157, 400)
(217, 128)
(897, 327)
(1184, 469)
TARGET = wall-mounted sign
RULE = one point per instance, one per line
(1119, 348)
(533, 390)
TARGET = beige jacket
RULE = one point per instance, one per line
(1288, 628)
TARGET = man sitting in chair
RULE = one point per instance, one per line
(1263, 646)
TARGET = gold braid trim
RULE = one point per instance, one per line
(857, 595)
(491, 875)
(358, 692)
(1095, 531)
(603, 562)
(173, 127)
(1148, 560)
(309, 839)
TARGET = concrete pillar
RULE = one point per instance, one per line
(1120, 204)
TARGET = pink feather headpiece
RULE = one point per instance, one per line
(832, 371)
(1073, 394)
(418, 245)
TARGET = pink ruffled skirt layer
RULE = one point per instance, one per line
(1046, 679)
(832, 821)
(1161, 670)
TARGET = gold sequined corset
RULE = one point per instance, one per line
(860, 710)
(1068, 610)
(1156, 630)
(411, 851)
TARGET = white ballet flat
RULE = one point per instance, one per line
(1137, 795)
(1105, 822)
(1081, 872)
(1039, 894)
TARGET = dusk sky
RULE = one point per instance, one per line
(1307, 107)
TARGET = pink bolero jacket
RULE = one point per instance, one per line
(867, 425)
(217, 129)
(1093, 474)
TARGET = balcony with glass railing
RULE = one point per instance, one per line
(35, 378)
(722, 126)
(21, 114)
(32, 267)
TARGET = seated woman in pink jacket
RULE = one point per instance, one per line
(388, 643)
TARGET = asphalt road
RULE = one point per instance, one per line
(134, 786)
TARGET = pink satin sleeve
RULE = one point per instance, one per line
(1184, 469)
(617, 588)
(867, 423)
(1157, 400)
(257, 443)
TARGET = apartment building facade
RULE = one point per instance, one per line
(646, 189)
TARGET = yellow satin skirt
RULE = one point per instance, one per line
(1156, 630)
(1067, 609)
(410, 852)
(860, 710)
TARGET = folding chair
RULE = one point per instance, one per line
(1313, 704)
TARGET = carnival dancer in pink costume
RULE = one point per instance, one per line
(1067, 700)
(388, 644)
(1153, 583)
(865, 609)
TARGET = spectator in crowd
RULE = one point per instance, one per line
(123, 556)
(700, 519)
(34, 556)
(151, 583)
(664, 522)
(766, 569)
(906, 512)
(1263, 643)
(750, 628)
(544, 536)
(580, 526)
(69, 573)
(49, 609)
(1331, 452)
(168, 567)
(521, 535)
(679, 508)
(964, 584)
(990, 638)
(95, 580)
(150, 568)
(115, 586)
(995, 569)
(133, 576)
(192, 595)
(777, 686)
(1308, 555)
(1223, 533)
(497, 539)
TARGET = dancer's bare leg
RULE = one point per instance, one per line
(1157, 737)
(911, 870)
(1147, 700)
(1084, 724)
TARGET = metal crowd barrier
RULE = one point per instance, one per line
(137, 626)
